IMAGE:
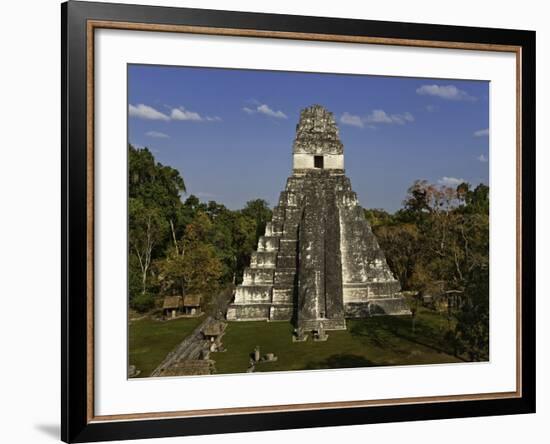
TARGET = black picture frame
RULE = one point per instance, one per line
(76, 423)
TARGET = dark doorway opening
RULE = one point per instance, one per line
(318, 161)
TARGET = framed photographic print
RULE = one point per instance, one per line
(276, 221)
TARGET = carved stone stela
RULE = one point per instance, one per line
(318, 262)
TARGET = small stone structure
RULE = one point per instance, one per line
(318, 262)
(320, 334)
(214, 330)
(192, 304)
(171, 306)
(299, 335)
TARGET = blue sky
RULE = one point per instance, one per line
(230, 132)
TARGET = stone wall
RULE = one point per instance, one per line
(318, 261)
(302, 161)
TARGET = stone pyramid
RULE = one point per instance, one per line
(318, 262)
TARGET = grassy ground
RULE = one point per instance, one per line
(376, 341)
(151, 340)
(384, 340)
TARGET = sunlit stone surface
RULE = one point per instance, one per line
(318, 262)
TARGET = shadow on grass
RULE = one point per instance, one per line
(375, 329)
(340, 361)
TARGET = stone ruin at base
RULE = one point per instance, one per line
(318, 262)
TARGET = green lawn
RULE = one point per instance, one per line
(151, 340)
(383, 340)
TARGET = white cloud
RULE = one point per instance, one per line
(447, 92)
(431, 108)
(376, 116)
(266, 110)
(146, 112)
(157, 134)
(482, 132)
(483, 158)
(450, 181)
(350, 119)
(182, 114)
(400, 119)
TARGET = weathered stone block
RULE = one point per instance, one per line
(286, 260)
(263, 259)
(253, 294)
(284, 276)
(281, 312)
(293, 216)
(258, 276)
(248, 312)
(356, 309)
(268, 243)
(283, 295)
(288, 247)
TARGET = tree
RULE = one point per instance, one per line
(171, 272)
(147, 229)
(177, 247)
(193, 267)
(471, 335)
(401, 243)
(259, 211)
(151, 181)
(221, 237)
(156, 186)
(438, 244)
(244, 232)
(440, 259)
(202, 269)
(378, 217)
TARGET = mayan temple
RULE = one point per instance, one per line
(318, 262)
